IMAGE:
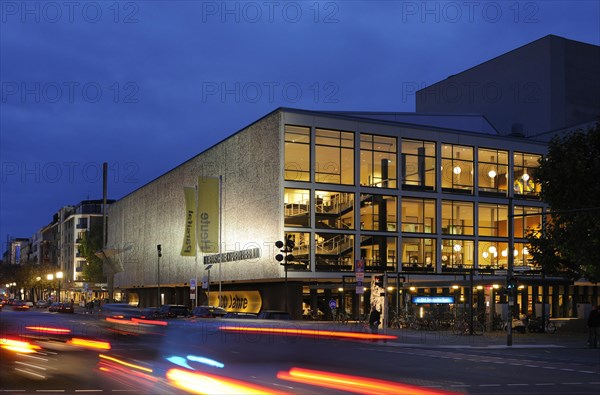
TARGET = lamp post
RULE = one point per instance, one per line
(50, 277)
(59, 275)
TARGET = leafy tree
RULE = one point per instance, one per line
(569, 243)
(91, 243)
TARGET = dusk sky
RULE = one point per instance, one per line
(146, 85)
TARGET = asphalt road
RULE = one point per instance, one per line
(439, 362)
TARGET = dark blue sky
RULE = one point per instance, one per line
(145, 85)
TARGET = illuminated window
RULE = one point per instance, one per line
(334, 210)
(377, 161)
(492, 255)
(378, 212)
(524, 166)
(457, 218)
(334, 252)
(297, 153)
(334, 162)
(297, 207)
(379, 253)
(418, 165)
(457, 254)
(493, 171)
(527, 219)
(418, 254)
(457, 168)
(418, 215)
(493, 220)
(301, 251)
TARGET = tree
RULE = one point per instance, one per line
(91, 242)
(569, 243)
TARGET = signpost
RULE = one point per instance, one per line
(360, 276)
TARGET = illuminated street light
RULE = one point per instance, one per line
(59, 275)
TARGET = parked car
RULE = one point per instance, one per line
(173, 311)
(53, 308)
(208, 312)
(41, 304)
(274, 315)
(119, 310)
(149, 313)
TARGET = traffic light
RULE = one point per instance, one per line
(287, 248)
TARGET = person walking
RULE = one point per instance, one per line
(593, 323)
(374, 321)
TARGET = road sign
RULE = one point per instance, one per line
(360, 289)
(500, 272)
(332, 304)
(193, 288)
(360, 277)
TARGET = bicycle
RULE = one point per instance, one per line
(462, 327)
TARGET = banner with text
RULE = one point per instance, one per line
(208, 214)
(238, 301)
(189, 237)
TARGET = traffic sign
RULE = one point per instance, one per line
(332, 304)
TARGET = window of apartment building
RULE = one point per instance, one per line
(378, 161)
(457, 254)
(418, 165)
(492, 171)
(493, 220)
(81, 224)
(297, 153)
(301, 251)
(418, 254)
(297, 207)
(334, 210)
(457, 168)
(492, 254)
(379, 253)
(334, 252)
(418, 215)
(334, 157)
(527, 219)
(457, 218)
(378, 212)
(524, 166)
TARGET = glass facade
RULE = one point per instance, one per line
(449, 221)
(378, 161)
(334, 162)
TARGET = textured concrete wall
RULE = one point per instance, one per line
(250, 165)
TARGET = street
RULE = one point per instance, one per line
(190, 356)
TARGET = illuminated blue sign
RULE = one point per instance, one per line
(432, 299)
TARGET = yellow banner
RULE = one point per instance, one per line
(189, 238)
(238, 301)
(208, 214)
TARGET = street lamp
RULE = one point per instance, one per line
(59, 275)
(50, 277)
(159, 251)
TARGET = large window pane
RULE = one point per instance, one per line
(378, 212)
(524, 166)
(379, 253)
(418, 254)
(378, 161)
(300, 252)
(418, 164)
(493, 171)
(334, 252)
(457, 218)
(334, 162)
(491, 255)
(493, 220)
(334, 210)
(297, 207)
(418, 215)
(457, 254)
(297, 153)
(457, 168)
(527, 219)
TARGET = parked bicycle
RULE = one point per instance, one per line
(537, 324)
(462, 326)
